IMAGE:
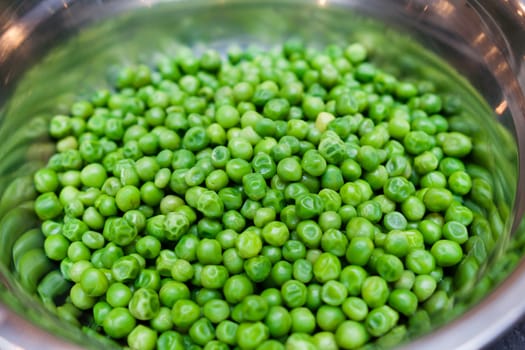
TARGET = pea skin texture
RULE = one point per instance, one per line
(296, 198)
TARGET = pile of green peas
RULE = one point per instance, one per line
(294, 198)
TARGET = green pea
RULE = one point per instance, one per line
(355, 308)
(293, 250)
(424, 287)
(142, 337)
(456, 144)
(279, 321)
(351, 335)
(390, 267)
(48, 206)
(251, 335)
(380, 320)
(327, 267)
(420, 261)
(437, 199)
(446, 252)
(294, 293)
(237, 288)
(308, 206)
(118, 323)
(359, 251)
(375, 291)
(258, 268)
(359, 227)
(185, 313)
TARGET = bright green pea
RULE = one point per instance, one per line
(380, 320)
(456, 144)
(355, 308)
(308, 206)
(404, 301)
(327, 267)
(446, 252)
(375, 291)
(424, 287)
(351, 335)
(294, 293)
(437, 199)
(56, 247)
(48, 206)
(118, 295)
(185, 313)
(459, 213)
(237, 288)
(359, 250)
(227, 116)
(460, 182)
(214, 276)
(144, 304)
(118, 323)
(94, 282)
(142, 337)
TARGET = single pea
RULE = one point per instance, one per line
(446, 252)
(172, 291)
(209, 251)
(327, 267)
(308, 206)
(94, 282)
(282, 271)
(333, 293)
(237, 288)
(293, 250)
(226, 332)
(149, 279)
(460, 182)
(118, 295)
(214, 276)
(355, 308)
(251, 335)
(56, 247)
(398, 189)
(185, 313)
(424, 287)
(437, 199)
(459, 213)
(279, 321)
(359, 250)
(404, 301)
(420, 261)
(390, 267)
(359, 227)
(351, 335)
(48, 206)
(417, 142)
(375, 291)
(118, 323)
(303, 320)
(425, 162)
(127, 198)
(456, 144)
(329, 317)
(332, 148)
(294, 293)
(142, 337)
(380, 320)
(433, 179)
(455, 231)
(332, 178)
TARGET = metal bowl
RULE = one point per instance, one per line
(54, 50)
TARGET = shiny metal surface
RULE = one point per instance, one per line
(482, 40)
